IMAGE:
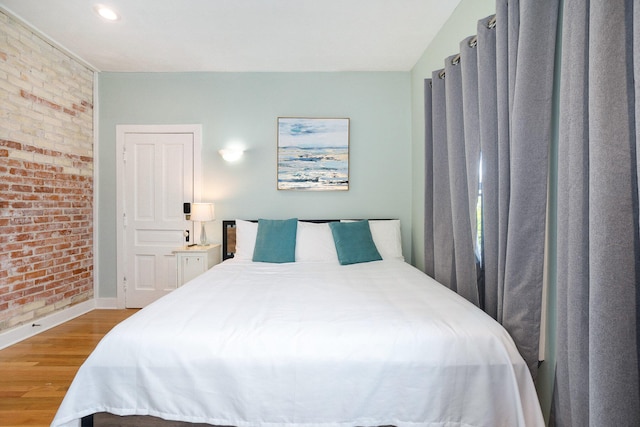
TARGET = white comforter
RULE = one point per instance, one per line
(308, 345)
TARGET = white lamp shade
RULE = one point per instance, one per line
(202, 212)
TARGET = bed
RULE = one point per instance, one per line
(310, 343)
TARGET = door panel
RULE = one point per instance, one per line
(145, 272)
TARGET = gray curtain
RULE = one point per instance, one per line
(506, 114)
(428, 188)
(471, 146)
(488, 125)
(531, 30)
(462, 141)
(443, 255)
(598, 288)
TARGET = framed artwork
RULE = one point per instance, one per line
(313, 154)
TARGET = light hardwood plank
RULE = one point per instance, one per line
(36, 373)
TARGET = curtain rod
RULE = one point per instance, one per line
(473, 42)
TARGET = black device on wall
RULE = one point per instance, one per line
(186, 209)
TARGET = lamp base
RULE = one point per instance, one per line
(203, 235)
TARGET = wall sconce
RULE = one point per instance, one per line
(231, 154)
(202, 212)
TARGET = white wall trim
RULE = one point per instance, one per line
(30, 329)
(107, 303)
(121, 131)
(96, 186)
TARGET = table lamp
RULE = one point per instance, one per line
(202, 212)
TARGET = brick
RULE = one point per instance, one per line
(46, 230)
(10, 144)
(25, 188)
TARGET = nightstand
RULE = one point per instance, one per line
(194, 260)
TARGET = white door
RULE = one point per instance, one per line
(158, 176)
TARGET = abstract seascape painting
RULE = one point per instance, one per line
(313, 154)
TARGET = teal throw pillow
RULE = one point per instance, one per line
(354, 243)
(276, 241)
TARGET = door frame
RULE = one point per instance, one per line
(121, 131)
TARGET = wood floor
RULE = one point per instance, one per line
(35, 373)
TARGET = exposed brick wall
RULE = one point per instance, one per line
(46, 171)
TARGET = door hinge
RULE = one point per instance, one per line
(124, 219)
(124, 154)
(124, 284)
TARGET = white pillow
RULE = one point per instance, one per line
(387, 237)
(246, 232)
(314, 243)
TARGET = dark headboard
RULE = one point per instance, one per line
(228, 238)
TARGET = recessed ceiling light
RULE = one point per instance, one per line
(106, 12)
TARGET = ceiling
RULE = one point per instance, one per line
(240, 35)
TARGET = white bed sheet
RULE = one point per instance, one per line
(308, 345)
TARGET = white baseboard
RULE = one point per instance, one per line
(30, 329)
(107, 303)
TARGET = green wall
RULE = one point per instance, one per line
(243, 108)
